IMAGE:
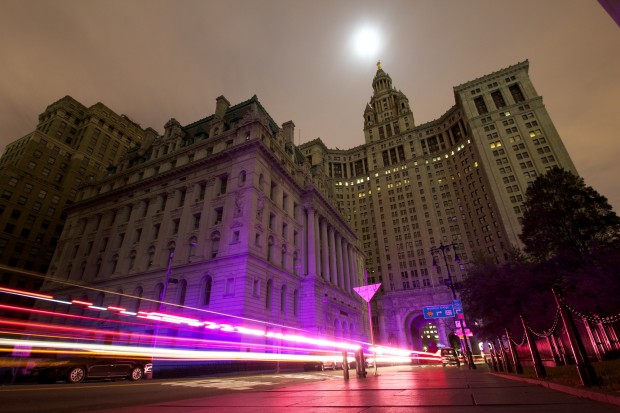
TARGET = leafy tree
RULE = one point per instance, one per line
(564, 216)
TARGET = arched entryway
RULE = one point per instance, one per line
(422, 334)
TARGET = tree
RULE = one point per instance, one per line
(564, 216)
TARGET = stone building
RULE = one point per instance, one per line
(41, 174)
(222, 217)
(456, 181)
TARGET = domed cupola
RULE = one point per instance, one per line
(382, 80)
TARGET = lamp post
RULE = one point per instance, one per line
(171, 248)
(443, 248)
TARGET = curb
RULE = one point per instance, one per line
(579, 392)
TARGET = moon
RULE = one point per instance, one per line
(366, 42)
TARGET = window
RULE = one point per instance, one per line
(295, 303)
(219, 212)
(114, 263)
(206, 290)
(269, 249)
(182, 292)
(182, 195)
(215, 244)
(480, 105)
(517, 95)
(193, 243)
(150, 256)
(159, 294)
(137, 293)
(132, 260)
(223, 184)
(256, 287)
(175, 226)
(498, 99)
(283, 257)
(230, 286)
(269, 294)
(283, 299)
(156, 230)
(197, 221)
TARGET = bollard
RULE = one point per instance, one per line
(360, 366)
(584, 368)
(513, 354)
(538, 366)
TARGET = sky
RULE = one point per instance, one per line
(156, 59)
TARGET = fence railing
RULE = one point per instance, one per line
(574, 338)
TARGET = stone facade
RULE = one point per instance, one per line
(227, 220)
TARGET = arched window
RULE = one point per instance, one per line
(295, 303)
(132, 259)
(98, 267)
(269, 294)
(82, 270)
(269, 249)
(150, 256)
(344, 329)
(283, 299)
(158, 295)
(283, 257)
(295, 265)
(207, 287)
(114, 263)
(182, 292)
(215, 244)
(242, 177)
(193, 243)
(119, 298)
(261, 181)
(351, 330)
(137, 293)
(336, 328)
(99, 300)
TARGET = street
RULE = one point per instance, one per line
(396, 389)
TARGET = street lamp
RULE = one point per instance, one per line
(171, 248)
(168, 280)
(443, 248)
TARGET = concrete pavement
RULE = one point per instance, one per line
(396, 389)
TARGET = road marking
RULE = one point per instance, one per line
(222, 384)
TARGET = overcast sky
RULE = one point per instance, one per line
(153, 60)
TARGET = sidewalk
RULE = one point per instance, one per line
(396, 389)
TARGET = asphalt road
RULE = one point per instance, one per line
(100, 395)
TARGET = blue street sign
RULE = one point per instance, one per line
(458, 306)
(438, 311)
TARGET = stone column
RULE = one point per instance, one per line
(324, 250)
(332, 255)
(339, 260)
(345, 259)
(310, 251)
(352, 268)
(317, 246)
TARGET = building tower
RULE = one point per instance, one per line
(459, 179)
(43, 171)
